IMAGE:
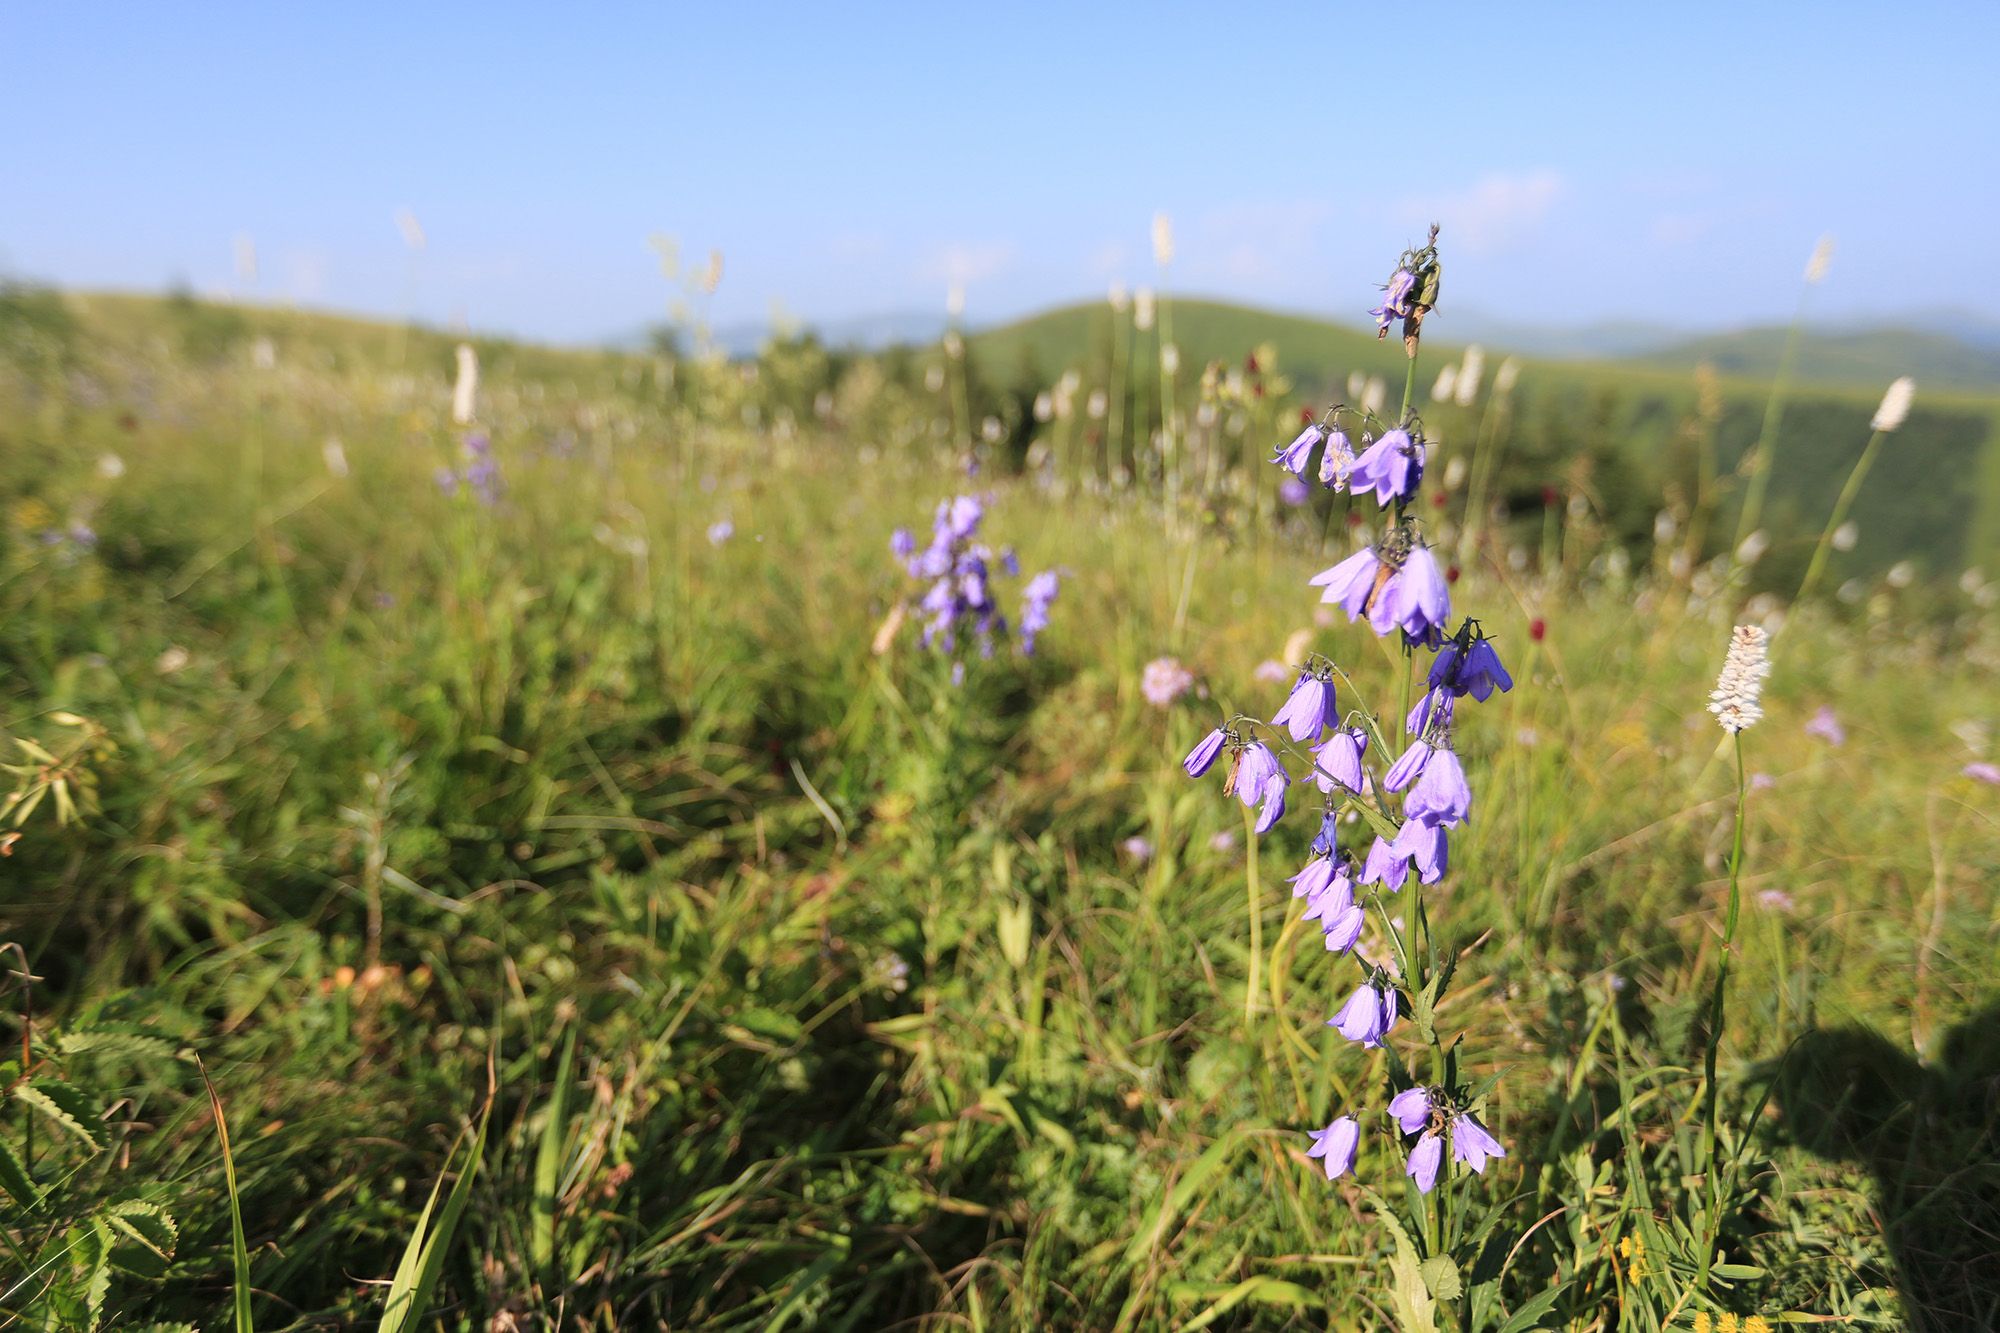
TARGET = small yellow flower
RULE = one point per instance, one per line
(1756, 1323)
(1625, 1247)
(1727, 1324)
(1702, 1323)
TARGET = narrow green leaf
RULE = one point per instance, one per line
(548, 1162)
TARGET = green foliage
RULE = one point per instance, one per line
(408, 805)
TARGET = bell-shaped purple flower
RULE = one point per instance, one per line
(1328, 838)
(1471, 1143)
(1411, 1109)
(1203, 754)
(1385, 866)
(1343, 928)
(1440, 795)
(1348, 584)
(1482, 672)
(1406, 769)
(1336, 462)
(1368, 1015)
(1304, 713)
(1259, 777)
(1425, 846)
(1336, 1146)
(1312, 881)
(1425, 1159)
(1330, 899)
(1418, 598)
(1337, 763)
(1392, 467)
(1294, 457)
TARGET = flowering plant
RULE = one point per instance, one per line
(955, 572)
(1433, 1111)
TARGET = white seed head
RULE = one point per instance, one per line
(1901, 574)
(1740, 687)
(110, 467)
(1895, 404)
(1119, 298)
(1170, 358)
(1503, 381)
(954, 300)
(1045, 406)
(1665, 525)
(1469, 373)
(1163, 239)
(1374, 394)
(334, 456)
(711, 276)
(1357, 383)
(1096, 404)
(1454, 472)
(1753, 548)
(1846, 535)
(465, 393)
(1822, 259)
(1447, 381)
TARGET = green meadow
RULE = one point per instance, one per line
(560, 914)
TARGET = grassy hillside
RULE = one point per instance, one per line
(1937, 359)
(1639, 410)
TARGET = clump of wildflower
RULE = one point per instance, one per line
(1826, 726)
(479, 473)
(957, 572)
(1739, 689)
(1164, 680)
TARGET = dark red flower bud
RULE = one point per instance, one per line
(1538, 629)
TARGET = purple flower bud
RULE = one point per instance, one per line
(1336, 1146)
(1411, 1109)
(1259, 777)
(1395, 303)
(1433, 710)
(1293, 457)
(1425, 1159)
(1337, 763)
(903, 543)
(1304, 713)
(1471, 1144)
(1203, 754)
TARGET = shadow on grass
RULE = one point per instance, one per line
(1929, 1134)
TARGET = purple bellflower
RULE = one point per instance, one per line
(1411, 1109)
(1305, 713)
(1368, 1015)
(1392, 467)
(1336, 1146)
(1295, 456)
(1425, 1159)
(1337, 763)
(1203, 754)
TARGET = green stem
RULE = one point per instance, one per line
(1712, 1119)
(1767, 435)
(1256, 920)
(1839, 515)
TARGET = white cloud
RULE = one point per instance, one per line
(1496, 212)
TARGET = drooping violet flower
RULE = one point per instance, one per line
(1418, 598)
(1474, 669)
(1827, 727)
(1259, 777)
(1204, 752)
(1343, 928)
(1425, 1159)
(1313, 880)
(1411, 1109)
(1295, 457)
(1471, 1143)
(1305, 712)
(1337, 763)
(1349, 583)
(1385, 866)
(1336, 462)
(1293, 492)
(1392, 467)
(1440, 795)
(903, 543)
(1327, 841)
(1336, 1146)
(1424, 845)
(1368, 1016)
(1330, 899)
(1395, 302)
(1405, 770)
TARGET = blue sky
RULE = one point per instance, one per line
(1668, 162)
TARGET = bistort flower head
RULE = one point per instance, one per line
(1895, 405)
(1739, 688)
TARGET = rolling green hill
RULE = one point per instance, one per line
(1937, 360)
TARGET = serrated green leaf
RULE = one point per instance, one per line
(116, 1041)
(14, 1178)
(1415, 1309)
(62, 1104)
(1531, 1311)
(1441, 1277)
(148, 1237)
